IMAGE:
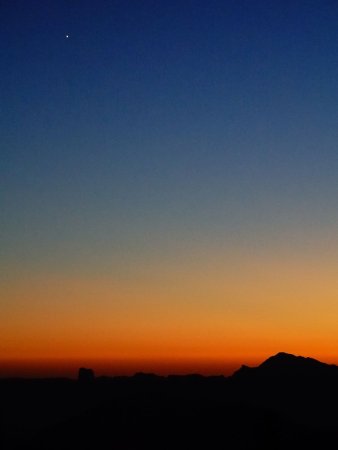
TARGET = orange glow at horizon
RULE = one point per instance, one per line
(171, 320)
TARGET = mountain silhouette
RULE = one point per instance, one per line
(287, 402)
(285, 364)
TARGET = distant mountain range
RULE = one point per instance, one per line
(286, 403)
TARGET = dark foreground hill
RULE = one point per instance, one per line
(287, 402)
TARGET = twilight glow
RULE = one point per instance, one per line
(169, 185)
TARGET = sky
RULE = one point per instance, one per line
(168, 184)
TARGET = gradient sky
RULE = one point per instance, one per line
(169, 183)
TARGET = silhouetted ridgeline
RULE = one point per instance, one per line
(287, 402)
(286, 365)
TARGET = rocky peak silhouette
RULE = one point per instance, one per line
(286, 364)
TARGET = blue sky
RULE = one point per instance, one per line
(165, 119)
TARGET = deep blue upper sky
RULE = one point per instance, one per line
(162, 124)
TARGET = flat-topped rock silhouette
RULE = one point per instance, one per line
(85, 375)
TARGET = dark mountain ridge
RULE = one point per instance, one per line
(287, 402)
(285, 364)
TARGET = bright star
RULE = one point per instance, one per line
(67, 36)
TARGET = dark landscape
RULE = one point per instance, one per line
(287, 402)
